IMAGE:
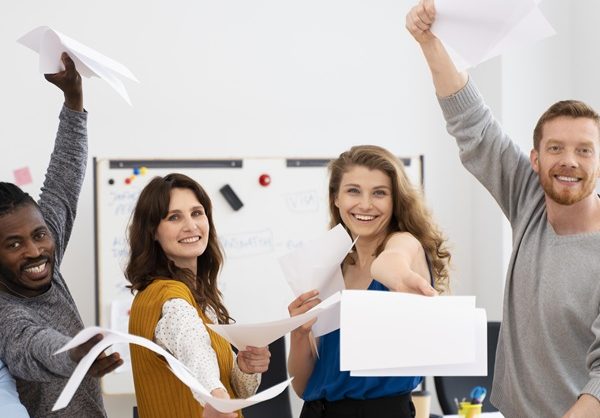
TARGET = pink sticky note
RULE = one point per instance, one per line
(22, 176)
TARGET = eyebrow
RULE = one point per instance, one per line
(376, 187)
(16, 236)
(585, 142)
(181, 211)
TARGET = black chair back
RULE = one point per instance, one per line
(280, 406)
(449, 388)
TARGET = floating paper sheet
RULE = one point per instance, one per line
(178, 368)
(264, 333)
(316, 265)
(50, 44)
(475, 30)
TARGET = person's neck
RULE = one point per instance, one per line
(365, 252)
(578, 218)
(6, 288)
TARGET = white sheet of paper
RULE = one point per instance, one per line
(178, 368)
(381, 330)
(475, 30)
(329, 318)
(532, 28)
(316, 265)
(264, 333)
(475, 368)
(50, 43)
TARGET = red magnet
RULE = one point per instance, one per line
(128, 180)
(264, 180)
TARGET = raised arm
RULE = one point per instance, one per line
(446, 78)
(66, 170)
(485, 150)
(402, 266)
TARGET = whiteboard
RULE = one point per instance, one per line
(274, 219)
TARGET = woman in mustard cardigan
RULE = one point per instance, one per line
(173, 266)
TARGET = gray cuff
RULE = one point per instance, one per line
(592, 388)
(462, 100)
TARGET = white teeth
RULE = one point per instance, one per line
(364, 217)
(37, 269)
(564, 178)
(190, 240)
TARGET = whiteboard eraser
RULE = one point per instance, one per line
(232, 198)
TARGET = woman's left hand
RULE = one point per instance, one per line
(254, 359)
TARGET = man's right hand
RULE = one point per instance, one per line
(419, 21)
(103, 364)
(69, 81)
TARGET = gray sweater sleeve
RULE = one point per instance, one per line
(64, 177)
(487, 152)
(29, 353)
(39, 326)
(593, 363)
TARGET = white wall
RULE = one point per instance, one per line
(273, 78)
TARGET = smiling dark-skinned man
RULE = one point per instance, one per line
(37, 312)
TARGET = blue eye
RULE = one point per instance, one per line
(173, 218)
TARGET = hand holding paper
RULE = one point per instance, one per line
(473, 31)
(317, 264)
(50, 44)
(263, 334)
(178, 369)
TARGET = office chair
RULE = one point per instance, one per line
(280, 406)
(448, 388)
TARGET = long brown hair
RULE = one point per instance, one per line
(147, 260)
(409, 212)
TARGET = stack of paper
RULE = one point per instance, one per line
(400, 334)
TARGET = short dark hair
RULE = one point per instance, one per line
(567, 108)
(12, 198)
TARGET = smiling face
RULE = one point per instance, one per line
(364, 201)
(26, 251)
(183, 234)
(568, 160)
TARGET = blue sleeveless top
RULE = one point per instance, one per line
(328, 382)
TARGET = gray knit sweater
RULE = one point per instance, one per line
(32, 329)
(549, 347)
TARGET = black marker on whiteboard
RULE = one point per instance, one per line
(232, 198)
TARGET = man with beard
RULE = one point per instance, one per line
(548, 357)
(38, 314)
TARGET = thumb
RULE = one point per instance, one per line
(421, 286)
